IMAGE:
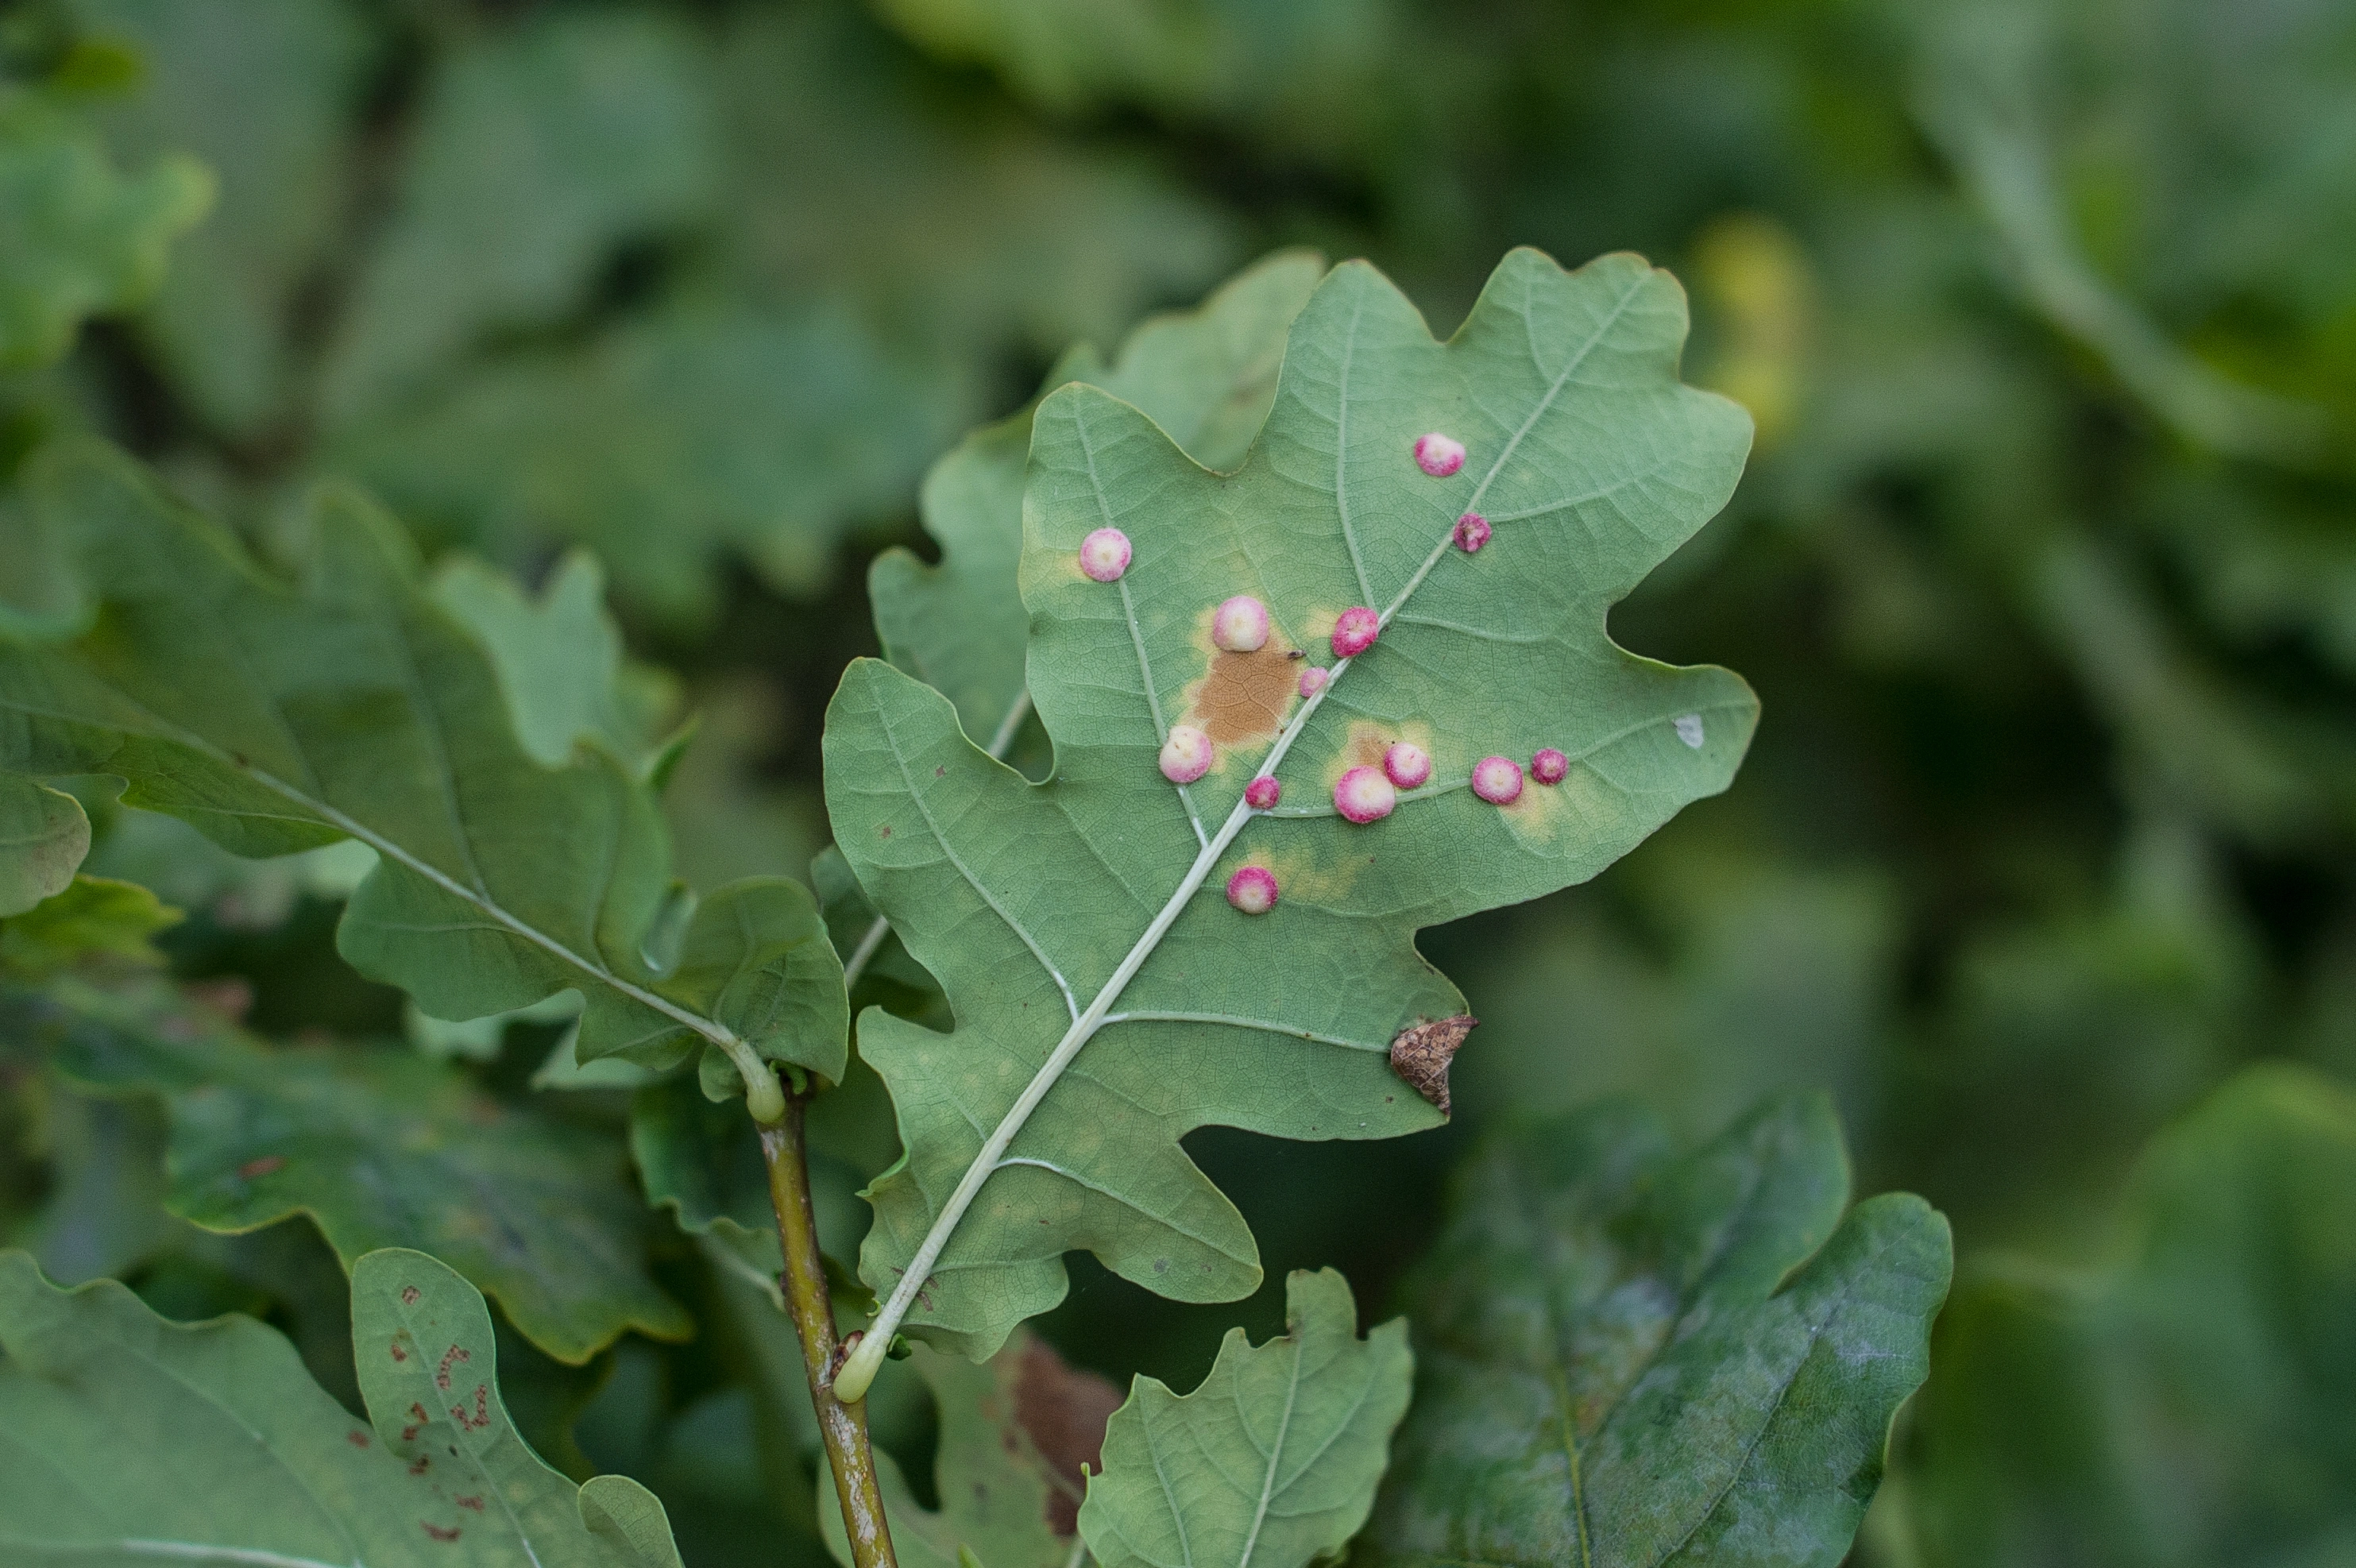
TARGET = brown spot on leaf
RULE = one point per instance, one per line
(449, 1357)
(1062, 1409)
(1422, 1052)
(357, 1438)
(438, 1533)
(409, 1295)
(266, 1165)
(397, 1353)
(474, 1503)
(1244, 697)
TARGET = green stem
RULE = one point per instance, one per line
(842, 1428)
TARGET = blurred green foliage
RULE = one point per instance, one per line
(2044, 570)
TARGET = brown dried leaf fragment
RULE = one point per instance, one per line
(1422, 1052)
(1062, 1409)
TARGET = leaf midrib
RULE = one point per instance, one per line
(162, 728)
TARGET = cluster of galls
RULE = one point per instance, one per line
(1240, 625)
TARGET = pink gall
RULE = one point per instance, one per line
(1438, 456)
(1364, 795)
(1253, 890)
(1497, 779)
(1550, 767)
(1473, 531)
(1186, 756)
(1240, 625)
(1262, 792)
(1407, 765)
(1104, 555)
(1355, 631)
(1312, 680)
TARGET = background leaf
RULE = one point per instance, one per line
(134, 1435)
(43, 837)
(1282, 1026)
(380, 1146)
(2184, 1399)
(1627, 1355)
(597, 131)
(356, 708)
(1273, 1460)
(1015, 1432)
(78, 238)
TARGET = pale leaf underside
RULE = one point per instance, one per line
(1070, 912)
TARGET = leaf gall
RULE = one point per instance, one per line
(1186, 756)
(1497, 779)
(1252, 890)
(1364, 795)
(1104, 555)
(1355, 631)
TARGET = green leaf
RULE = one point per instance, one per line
(1631, 1355)
(1206, 376)
(2186, 1400)
(133, 1439)
(93, 915)
(1273, 1461)
(382, 1147)
(1015, 1433)
(668, 441)
(43, 837)
(77, 239)
(268, 93)
(559, 659)
(535, 153)
(1053, 912)
(959, 228)
(275, 719)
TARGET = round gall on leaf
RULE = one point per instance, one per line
(1550, 767)
(1364, 795)
(1252, 890)
(1473, 531)
(1262, 792)
(1312, 680)
(1497, 779)
(1407, 765)
(1186, 754)
(1240, 626)
(1438, 456)
(1104, 555)
(1355, 631)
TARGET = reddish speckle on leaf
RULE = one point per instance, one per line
(1550, 767)
(1438, 456)
(357, 1438)
(1253, 890)
(1104, 555)
(1421, 1053)
(397, 1353)
(1497, 779)
(1262, 792)
(419, 1465)
(1364, 795)
(474, 1503)
(1473, 531)
(1240, 625)
(409, 1295)
(449, 1357)
(1312, 680)
(267, 1164)
(1407, 765)
(1186, 756)
(1355, 631)
(438, 1533)
(482, 1416)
